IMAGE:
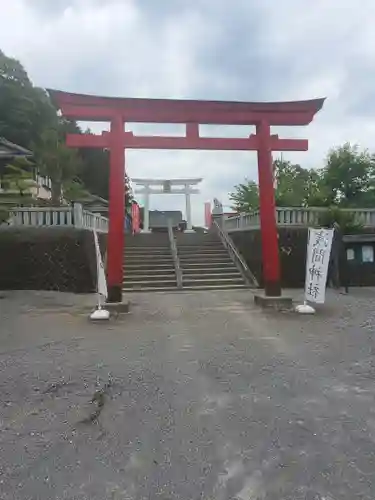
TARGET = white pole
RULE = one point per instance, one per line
(146, 215)
(99, 313)
(188, 208)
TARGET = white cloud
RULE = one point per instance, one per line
(239, 50)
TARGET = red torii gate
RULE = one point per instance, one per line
(119, 111)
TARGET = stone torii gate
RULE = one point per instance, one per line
(192, 113)
(166, 186)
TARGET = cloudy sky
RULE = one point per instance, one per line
(207, 49)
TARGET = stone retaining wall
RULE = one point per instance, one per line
(61, 259)
(292, 245)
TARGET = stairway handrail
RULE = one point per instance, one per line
(176, 260)
(227, 241)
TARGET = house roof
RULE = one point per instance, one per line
(9, 150)
(93, 198)
(359, 238)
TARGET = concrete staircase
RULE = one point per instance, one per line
(148, 264)
(206, 264)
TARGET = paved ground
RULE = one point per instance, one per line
(194, 396)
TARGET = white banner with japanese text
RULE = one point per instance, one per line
(318, 256)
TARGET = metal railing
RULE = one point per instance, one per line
(74, 216)
(176, 260)
(295, 217)
(237, 258)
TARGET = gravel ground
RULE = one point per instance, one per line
(190, 396)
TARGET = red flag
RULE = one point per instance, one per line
(207, 214)
(135, 218)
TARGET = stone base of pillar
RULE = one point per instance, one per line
(118, 307)
(272, 288)
(114, 294)
(280, 302)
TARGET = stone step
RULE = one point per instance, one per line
(170, 281)
(165, 244)
(188, 251)
(230, 286)
(149, 265)
(209, 269)
(211, 245)
(147, 249)
(147, 239)
(195, 239)
(200, 250)
(204, 258)
(215, 244)
(150, 289)
(188, 281)
(149, 277)
(203, 251)
(199, 257)
(186, 288)
(144, 271)
(132, 255)
(147, 258)
(203, 264)
(209, 275)
(147, 254)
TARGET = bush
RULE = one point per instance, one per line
(4, 215)
(345, 219)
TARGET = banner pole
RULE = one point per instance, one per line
(101, 285)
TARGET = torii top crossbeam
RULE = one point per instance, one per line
(172, 182)
(192, 113)
(95, 108)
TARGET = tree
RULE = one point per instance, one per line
(129, 196)
(18, 176)
(12, 71)
(28, 118)
(345, 219)
(74, 190)
(55, 160)
(349, 177)
(25, 110)
(245, 197)
(295, 187)
(95, 171)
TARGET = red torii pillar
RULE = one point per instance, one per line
(115, 245)
(269, 234)
(192, 113)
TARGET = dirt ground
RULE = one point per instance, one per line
(190, 396)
